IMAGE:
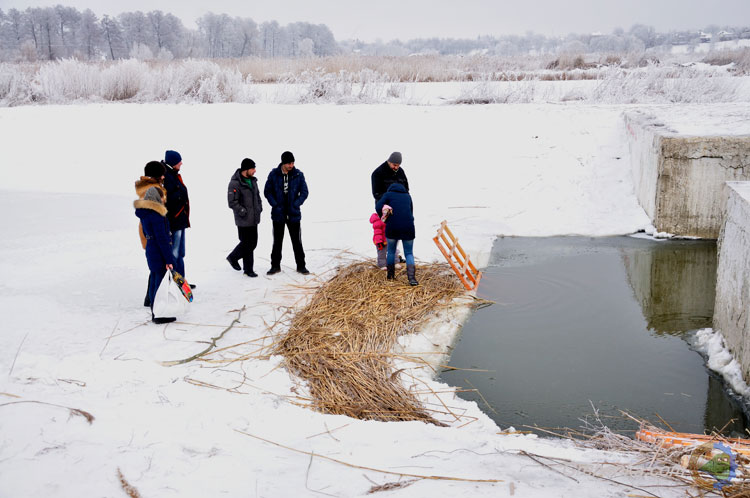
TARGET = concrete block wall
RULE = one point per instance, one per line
(679, 178)
(732, 305)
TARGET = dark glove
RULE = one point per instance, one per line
(243, 212)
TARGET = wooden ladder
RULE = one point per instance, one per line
(457, 258)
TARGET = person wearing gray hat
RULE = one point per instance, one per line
(387, 174)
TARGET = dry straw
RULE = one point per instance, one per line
(341, 343)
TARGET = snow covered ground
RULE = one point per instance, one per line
(74, 333)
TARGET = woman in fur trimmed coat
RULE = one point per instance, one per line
(153, 176)
(153, 215)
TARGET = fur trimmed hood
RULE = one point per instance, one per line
(152, 205)
(145, 183)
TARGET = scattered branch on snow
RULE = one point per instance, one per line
(417, 476)
(211, 346)
(17, 352)
(73, 411)
(126, 486)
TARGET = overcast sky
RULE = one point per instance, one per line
(407, 19)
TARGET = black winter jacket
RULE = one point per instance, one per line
(289, 207)
(244, 201)
(400, 224)
(178, 204)
(383, 177)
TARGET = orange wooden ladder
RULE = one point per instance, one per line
(457, 258)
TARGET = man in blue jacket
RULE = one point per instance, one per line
(286, 191)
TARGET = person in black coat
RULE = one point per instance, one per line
(152, 213)
(399, 225)
(178, 207)
(286, 191)
(387, 174)
(244, 199)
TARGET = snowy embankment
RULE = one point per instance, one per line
(202, 81)
(719, 359)
(73, 278)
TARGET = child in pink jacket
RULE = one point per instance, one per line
(378, 227)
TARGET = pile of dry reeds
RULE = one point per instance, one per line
(341, 342)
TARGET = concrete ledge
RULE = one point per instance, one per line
(732, 305)
(678, 178)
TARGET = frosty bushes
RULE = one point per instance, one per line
(68, 81)
(665, 85)
(365, 86)
(341, 80)
(15, 88)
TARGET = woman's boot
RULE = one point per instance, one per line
(391, 271)
(410, 271)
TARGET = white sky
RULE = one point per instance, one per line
(407, 19)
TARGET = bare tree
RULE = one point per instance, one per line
(89, 34)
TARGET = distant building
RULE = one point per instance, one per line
(706, 37)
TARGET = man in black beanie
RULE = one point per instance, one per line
(387, 174)
(244, 200)
(286, 191)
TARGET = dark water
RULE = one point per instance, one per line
(606, 321)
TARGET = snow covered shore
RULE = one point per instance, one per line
(75, 335)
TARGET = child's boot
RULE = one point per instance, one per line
(391, 272)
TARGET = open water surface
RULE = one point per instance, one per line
(584, 322)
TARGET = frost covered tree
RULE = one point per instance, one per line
(141, 52)
(88, 35)
(644, 33)
(136, 29)
(67, 20)
(270, 34)
(113, 39)
(247, 37)
(306, 47)
(215, 29)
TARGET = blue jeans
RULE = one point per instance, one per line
(408, 246)
(178, 251)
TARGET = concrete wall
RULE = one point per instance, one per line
(732, 305)
(678, 179)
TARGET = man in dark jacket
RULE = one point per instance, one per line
(178, 207)
(286, 191)
(387, 174)
(244, 199)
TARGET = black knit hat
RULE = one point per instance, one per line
(154, 169)
(247, 164)
(287, 157)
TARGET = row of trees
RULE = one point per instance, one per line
(638, 38)
(62, 32)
